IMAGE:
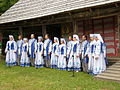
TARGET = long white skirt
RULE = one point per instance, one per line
(62, 62)
(98, 65)
(103, 63)
(54, 60)
(11, 58)
(24, 60)
(39, 62)
(74, 61)
(90, 62)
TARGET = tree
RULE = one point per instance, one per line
(6, 4)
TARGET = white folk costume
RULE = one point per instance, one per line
(19, 50)
(39, 62)
(55, 53)
(11, 49)
(32, 43)
(84, 46)
(62, 55)
(99, 61)
(74, 60)
(47, 51)
(85, 59)
(24, 57)
(19, 47)
(90, 54)
(103, 51)
(69, 48)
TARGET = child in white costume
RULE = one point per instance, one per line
(55, 53)
(74, 60)
(24, 57)
(62, 55)
(10, 50)
(104, 61)
(39, 62)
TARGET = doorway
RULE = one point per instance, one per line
(54, 30)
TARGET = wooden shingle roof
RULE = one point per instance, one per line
(30, 9)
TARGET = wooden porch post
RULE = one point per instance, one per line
(74, 26)
(118, 19)
(44, 30)
(1, 37)
(20, 31)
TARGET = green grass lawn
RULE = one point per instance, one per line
(19, 78)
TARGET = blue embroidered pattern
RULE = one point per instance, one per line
(75, 48)
(62, 50)
(54, 49)
(12, 46)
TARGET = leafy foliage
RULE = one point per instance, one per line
(6, 4)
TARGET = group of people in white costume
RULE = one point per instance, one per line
(97, 55)
(75, 54)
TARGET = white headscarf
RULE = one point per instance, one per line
(100, 37)
(55, 38)
(62, 39)
(77, 37)
(40, 37)
(92, 35)
(25, 39)
(11, 36)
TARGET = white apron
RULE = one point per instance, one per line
(11, 49)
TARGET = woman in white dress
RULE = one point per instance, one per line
(39, 62)
(74, 60)
(99, 61)
(10, 50)
(55, 53)
(24, 62)
(90, 53)
(62, 55)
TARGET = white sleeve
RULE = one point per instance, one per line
(65, 50)
(50, 47)
(35, 47)
(6, 49)
(35, 42)
(88, 49)
(68, 48)
(104, 50)
(29, 43)
(27, 47)
(42, 48)
(80, 45)
(15, 46)
(98, 49)
(57, 50)
(78, 49)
